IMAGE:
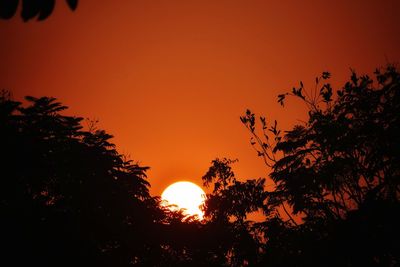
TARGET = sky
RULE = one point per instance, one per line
(170, 79)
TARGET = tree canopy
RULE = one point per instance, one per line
(69, 198)
(66, 191)
(338, 172)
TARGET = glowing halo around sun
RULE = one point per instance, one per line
(185, 195)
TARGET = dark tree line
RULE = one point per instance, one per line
(68, 198)
(66, 193)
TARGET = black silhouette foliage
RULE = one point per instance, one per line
(337, 175)
(41, 9)
(69, 198)
(228, 206)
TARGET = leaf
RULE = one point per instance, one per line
(46, 9)
(273, 128)
(298, 92)
(73, 4)
(263, 121)
(326, 75)
(354, 78)
(281, 99)
(326, 92)
(30, 9)
(8, 8)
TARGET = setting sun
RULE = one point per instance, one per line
(200, 133)
(185, 195)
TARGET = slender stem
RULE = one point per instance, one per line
(287, 213)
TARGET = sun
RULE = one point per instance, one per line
(185, 195)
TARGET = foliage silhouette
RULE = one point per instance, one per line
(41, 9)
(338, 172)
(69, 198)
(62, 185)
(228, 206)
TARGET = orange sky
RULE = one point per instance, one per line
(170, 78)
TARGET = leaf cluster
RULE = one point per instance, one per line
(40, 9)
(343, 163)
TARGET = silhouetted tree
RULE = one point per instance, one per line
(31, 8)
(225, 237)
(67, 196)
(339, 172)
(227, 208)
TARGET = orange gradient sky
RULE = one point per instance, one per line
(169, 79)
